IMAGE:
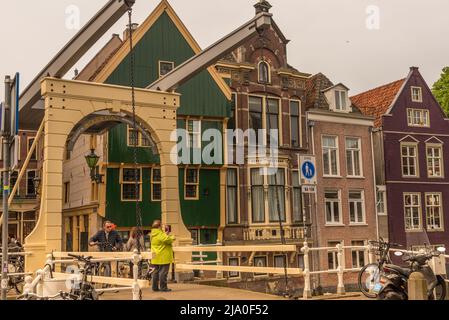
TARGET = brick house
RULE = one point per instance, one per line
(342, 143)
(23, 209)
(412, 137)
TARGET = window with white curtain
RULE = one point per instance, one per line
(296, 197)
(340, 100)
(412, 208)
(356, 207)
(330, 156)
(231, 196)
(435, 161)
(409, 159)
(332, 200)
(257, 196)
(434, 212)
(194, 129)
(354, 157)
(276, 196)
(267, 196)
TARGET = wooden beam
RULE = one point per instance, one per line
(290, 271)
(106, 280)
(247, 248)
(102, 255)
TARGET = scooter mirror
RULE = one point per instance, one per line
(398, 254)
(441, 249)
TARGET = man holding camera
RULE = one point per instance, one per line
(162, 249)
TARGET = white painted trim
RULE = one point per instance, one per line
(340, 119)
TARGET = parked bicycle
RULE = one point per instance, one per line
(369, 276)
(84, 290)
(16, 265)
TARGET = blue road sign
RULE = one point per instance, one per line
(308, 170)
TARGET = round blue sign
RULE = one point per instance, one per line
(308, 170)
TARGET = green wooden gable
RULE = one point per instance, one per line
(201, 95)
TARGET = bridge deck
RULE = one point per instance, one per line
(194, 292)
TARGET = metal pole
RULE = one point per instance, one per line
(6, 160)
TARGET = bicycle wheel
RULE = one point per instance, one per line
(439, 291)
(369, 276)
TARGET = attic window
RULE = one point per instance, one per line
(416, 94)
(340, 100)
(264, 72)
(165, 67)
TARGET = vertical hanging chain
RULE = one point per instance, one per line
(278, 204)
(137, 171)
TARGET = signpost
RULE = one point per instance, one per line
(9, 127)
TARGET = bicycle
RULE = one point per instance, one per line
(16, 264)
(85, 289)
(32, 296)
(370, 274)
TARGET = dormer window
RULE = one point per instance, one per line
(416, 94)
(264, 72)
(340, 100)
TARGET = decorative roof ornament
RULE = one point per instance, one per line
(262, 6)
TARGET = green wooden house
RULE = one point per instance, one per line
(161, 43)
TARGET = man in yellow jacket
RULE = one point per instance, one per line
(162, 249)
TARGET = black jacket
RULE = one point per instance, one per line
(107, 244)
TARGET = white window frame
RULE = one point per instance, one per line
(362, 201)
(419, 99)
(334, 253)
(440, 195)
(323, 149)
(419, 206)
(416, 157)
(434, 159)
(358, 253)
(342, 100)
(340, 213)
(424, 118)
(197, 184)
(353, 151)
(196, 135)
(167, 62)
(383, 191)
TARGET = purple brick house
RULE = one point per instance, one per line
(412, 161)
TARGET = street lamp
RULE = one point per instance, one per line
(92, 161)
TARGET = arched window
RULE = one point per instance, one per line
(264, 72)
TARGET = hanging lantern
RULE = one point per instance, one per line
(92, 161)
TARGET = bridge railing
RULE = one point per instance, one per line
(306, 272)
(46, 275)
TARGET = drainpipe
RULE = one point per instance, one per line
(374, 179)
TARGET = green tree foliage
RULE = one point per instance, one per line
(441, 90)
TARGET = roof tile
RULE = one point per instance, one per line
(376, 102)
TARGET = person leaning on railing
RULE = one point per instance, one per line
(162, 248)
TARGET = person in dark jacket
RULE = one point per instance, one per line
(107, 240)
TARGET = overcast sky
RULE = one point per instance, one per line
(362, 43)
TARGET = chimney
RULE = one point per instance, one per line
(262, 6)
(126, 32)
